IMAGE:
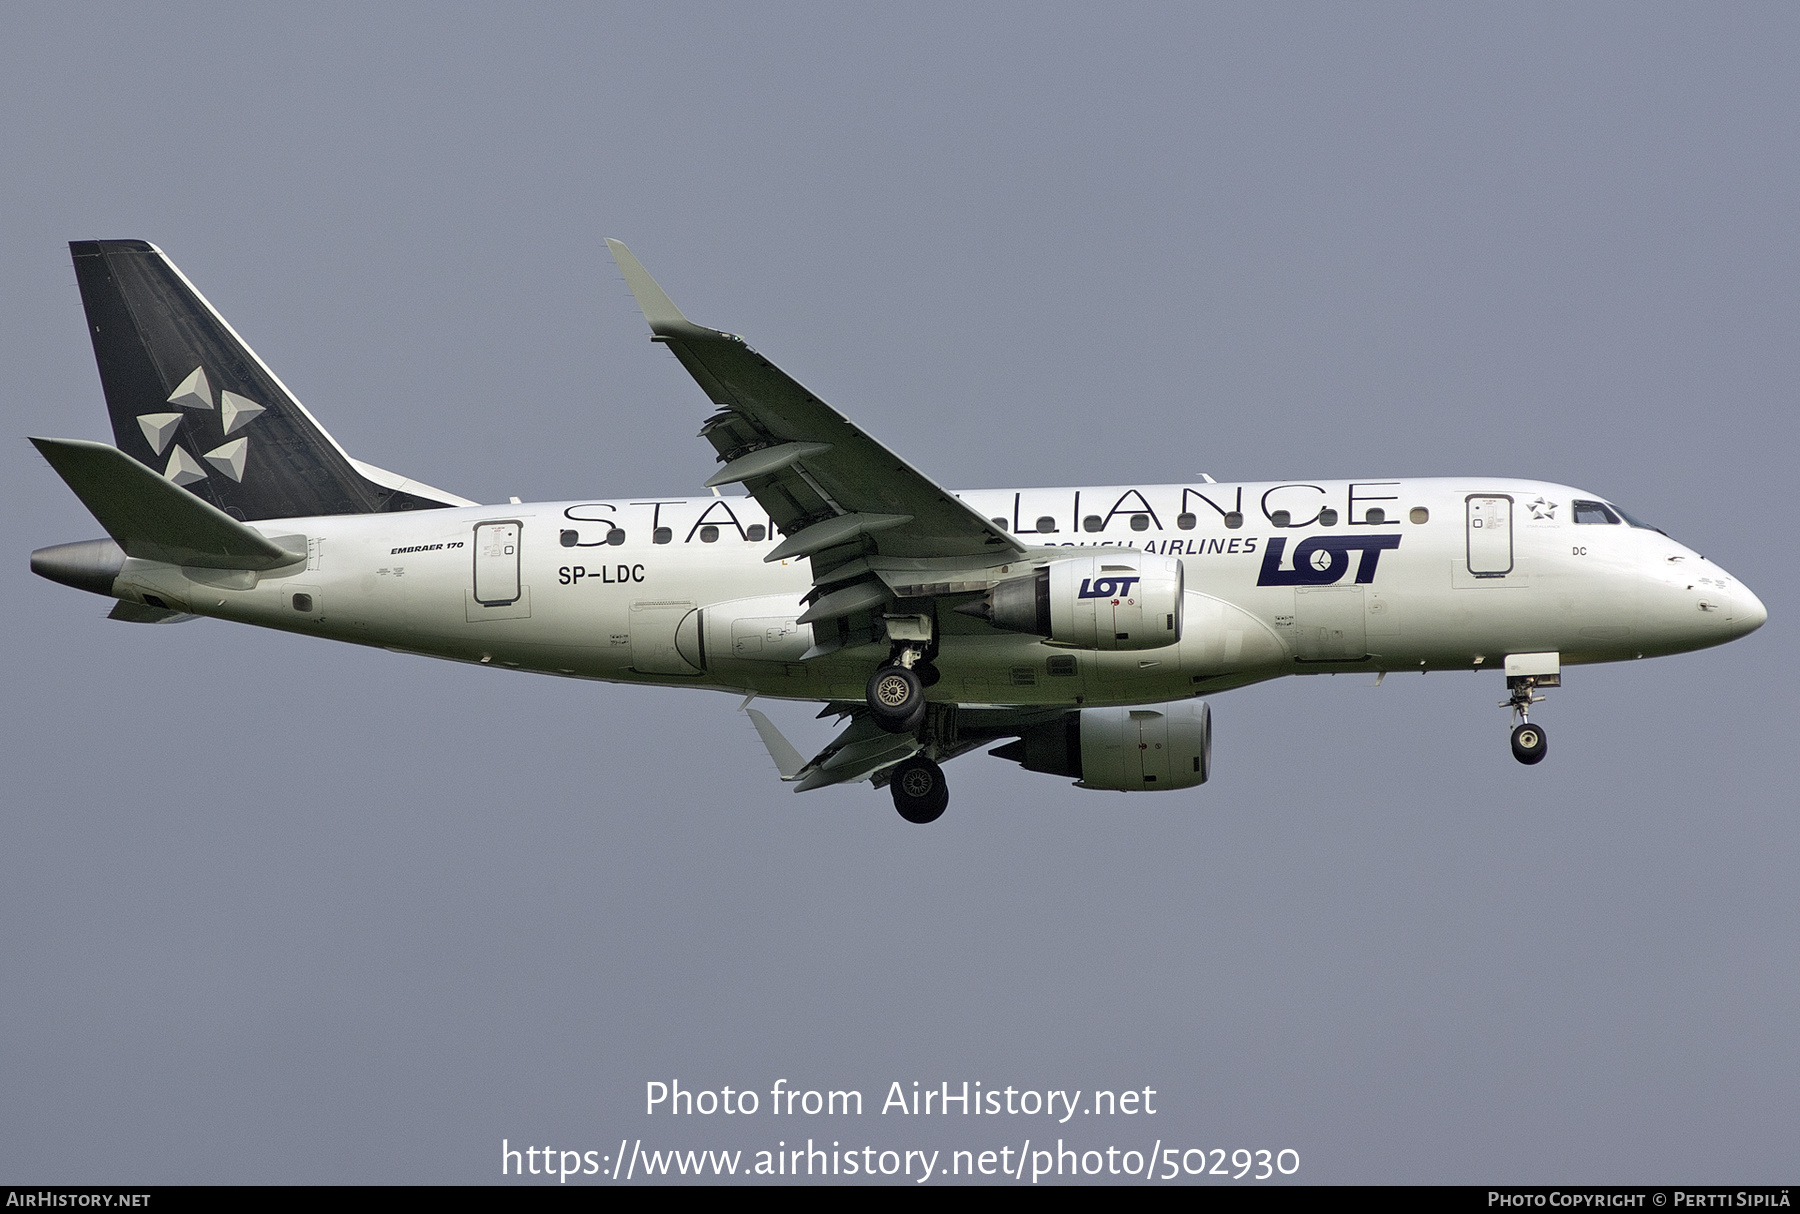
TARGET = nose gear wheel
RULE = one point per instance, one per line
(1529, 743)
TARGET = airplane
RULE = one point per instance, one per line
(1080, 629)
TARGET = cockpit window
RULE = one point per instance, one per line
(1594, 512)
(1638, 522)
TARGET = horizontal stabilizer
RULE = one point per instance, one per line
(154, 519)
(143, 613)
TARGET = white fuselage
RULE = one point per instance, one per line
(1490, 567)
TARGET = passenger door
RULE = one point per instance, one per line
(1490, 535)
(497, 562)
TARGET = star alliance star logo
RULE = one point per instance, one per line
(1541, 510)
(228, 458)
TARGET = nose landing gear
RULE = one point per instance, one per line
(1529, 742)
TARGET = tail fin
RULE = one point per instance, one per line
(189, 399)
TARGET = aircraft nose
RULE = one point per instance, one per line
(1749, 612)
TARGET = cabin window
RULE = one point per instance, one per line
(1185, 521)
(1140, 522)
(1419, 514)
(1045, 524)
(1280, 518)
(1091, 523)
(303, 602)
(1375, 516)
(755, 533)
(998, 522)
(661, 535)
(616, 536)
(1235, 519)
(1593, 512)
(709, 534)
(571, 538)
(1328, 517)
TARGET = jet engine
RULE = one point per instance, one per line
(1143, 749)
(1113, 598)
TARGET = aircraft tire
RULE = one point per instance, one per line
(896, 699)
(1530, 743)
(920, 793)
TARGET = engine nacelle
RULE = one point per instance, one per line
(1144, 749)
(1111, 598)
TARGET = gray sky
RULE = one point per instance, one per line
(278, 910)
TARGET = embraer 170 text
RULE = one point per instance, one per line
(1079, 627)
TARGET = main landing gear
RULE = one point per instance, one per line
(896, 691)
(920, 793)
(1529, 742)
(896, 698)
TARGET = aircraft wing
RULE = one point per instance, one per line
(863, 751)
(835, 493)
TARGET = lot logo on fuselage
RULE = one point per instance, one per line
(1107, 587)
(1322, 560)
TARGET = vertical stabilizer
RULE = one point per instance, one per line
(189, 399)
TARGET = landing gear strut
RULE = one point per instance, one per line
(1529, 742)
(920, 793)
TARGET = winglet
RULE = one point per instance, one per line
(788, 761)
(665, 318)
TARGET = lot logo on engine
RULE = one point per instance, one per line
(1322, 560)
(1106, 587)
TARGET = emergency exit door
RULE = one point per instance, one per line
(497, 563)
(1490, 536)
